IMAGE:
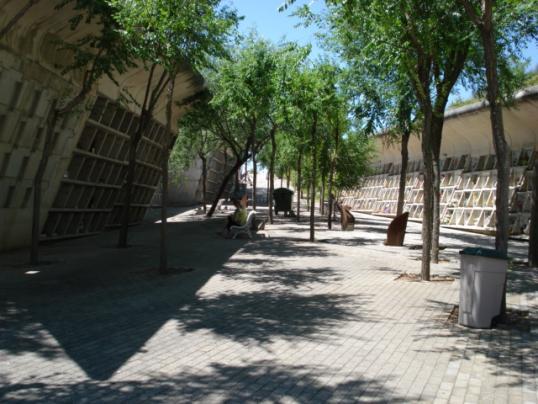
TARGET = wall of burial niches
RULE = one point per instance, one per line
(83, 179)
(468, 169)
(468, 186)
(91, 193)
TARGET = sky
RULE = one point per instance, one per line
(263, 16)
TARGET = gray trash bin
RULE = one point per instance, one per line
(483, 272)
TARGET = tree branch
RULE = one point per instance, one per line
(87, 84)
(17, 17)
(471, 12)
(158, 90)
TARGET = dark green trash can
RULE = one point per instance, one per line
(282, 197)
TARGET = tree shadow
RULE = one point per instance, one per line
(522, 279)
(504, 350)
(286, 247)
(100, 305)
(260, 381)
(261, 316)
(272, 273)
(19, 333)
(351, 242)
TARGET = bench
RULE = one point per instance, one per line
(246, 228)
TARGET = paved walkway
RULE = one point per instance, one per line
(277, 319)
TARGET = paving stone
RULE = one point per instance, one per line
(270, 320)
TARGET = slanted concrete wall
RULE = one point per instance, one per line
(30, 80)
(26, 94)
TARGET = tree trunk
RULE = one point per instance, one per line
(313, 180)
(134, 140)
(38, 180)
(233, 171)
(308, 192)
(331, 177)
(502, 149)
(331, 202)
(533, 231)
(288, 175)
(254, 178)
(403, 172)
(236, 178)
(204, 182)
(298, 190)
(267, 188)
(272, 174)
(163, 258)
(322, 197)
(436, 133)
(427, 212)
(436, 212)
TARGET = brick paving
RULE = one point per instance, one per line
(277, 319)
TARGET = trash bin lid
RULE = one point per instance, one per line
(282, 191)
(484, 252)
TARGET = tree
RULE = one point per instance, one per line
(402, 125)
(313, 94)
(382, 101)
(293, 137)
(94, 55)
(428, 43)
(175, 35)
(194, 141)
(254, 180)
(238, 114)
(502, 26)
(352, 166)
(289, 58)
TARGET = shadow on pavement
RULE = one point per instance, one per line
(510, 351)
(257, 382)
(101, 305)
(263, 315)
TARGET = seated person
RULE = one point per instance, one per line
(237, 218)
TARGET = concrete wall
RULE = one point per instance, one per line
(27, 89)
(185, 189)
(467, 130)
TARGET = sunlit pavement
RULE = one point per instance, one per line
(276, 319)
